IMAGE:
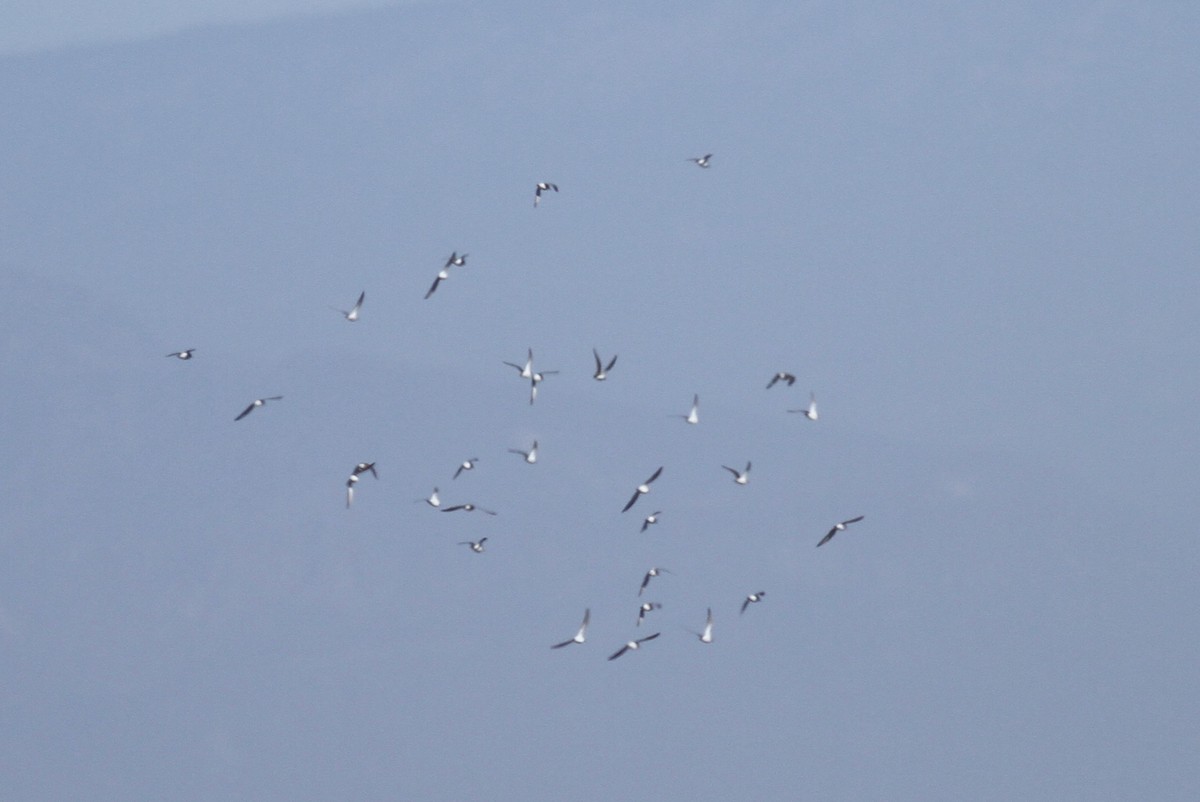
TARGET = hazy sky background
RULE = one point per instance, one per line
(30, 26)
(970, 230)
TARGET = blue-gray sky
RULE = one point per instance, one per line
(30, 26)
(969, 230)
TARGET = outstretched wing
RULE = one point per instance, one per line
(619, 652)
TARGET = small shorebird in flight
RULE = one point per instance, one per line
(455, 260)
(781, 376)
(653, 572)
(525, 370)
(542, 186)
(753, 598)
(184, 355)
(601, 369)
(536, 379)
(702, 161)
(706, 635)
(810, 411)
(476, 545)
(350, 483)
(650, 519)
(632, 645)
(352, 315)
(581, 635)
(693, 416)
(530, 456)
(740, 477)
(466, 465)
(642, 489)
(443, 274)
(839, 527)
(258, 402)
(434, 499)
(645, 608)
(467, 508)
(363, 467)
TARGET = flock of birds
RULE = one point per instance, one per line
(534, 377)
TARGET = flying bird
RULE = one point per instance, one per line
(810, 411)
(530, 455)
(839, 527)
(601, 369)
(642, 489)
(476, 545)
(645, 608)
(455, 260)
(433, 501)
(581, 635)
(467, 508)
(702, 161)
(693, 416)
(781, 377)
(183, 355)
(650, 519)
(442, 275)
(542, 186)
(258, 402)
(467, 465)
(740, 477)
(706, 636)
(350, 483)
(352, 315)
(525, 370)
(363, 467)
(536, 379)
(753, 598)
(653, 572)
(632, 645)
